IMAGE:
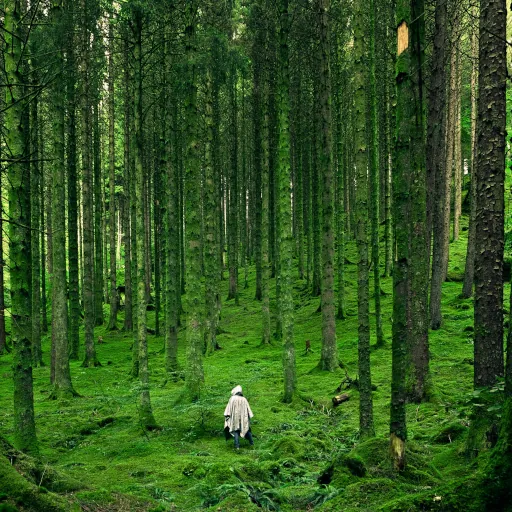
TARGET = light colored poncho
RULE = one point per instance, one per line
(238, 413)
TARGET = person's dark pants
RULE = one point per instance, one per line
(248, 436)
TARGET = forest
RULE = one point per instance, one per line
(310, 199)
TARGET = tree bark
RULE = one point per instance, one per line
(490, 172)
(469, 272)
(87, 198)
(437, 175)
(127, 198)
(366, 425)
(284, 207)
(112, 322)
(374, 172)
(194, 376)
(19, 233)
(35, 213)
(329, 356)
(62, 378)
(146, 419)
(72, 190)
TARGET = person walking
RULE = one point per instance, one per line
(238, 416)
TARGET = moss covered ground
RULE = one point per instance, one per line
(306, 454)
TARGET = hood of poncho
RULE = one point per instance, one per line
(236, 390)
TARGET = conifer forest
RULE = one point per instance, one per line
(310, 199)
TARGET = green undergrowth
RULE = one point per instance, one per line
(306, 455)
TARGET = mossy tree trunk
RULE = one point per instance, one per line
(316, 205)
(194, 377)
(72, 189)
(490, 172)
(374, 171)
(457, 142)
(469, 271)
(341, 120)
(127, 197)
(210, 217)
(112, 322)
(60, 350)
(401, 212)
(255, 22)
(366, 427)
(232, 188)
(265, 220)
(87, 195)
(329, 356)
(97, 206)
(171, 239)
(44, 313)
(437, 175)
(285, 240)
(35, 213)
(19, 232)
(146, 419)
(3, 337)
(418, 342)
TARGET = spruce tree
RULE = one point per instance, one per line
(366, 427)
(60, 347)
(72, 186)
(285, 240)
(490, 176)
(329, 357)
(87, 194)
(146, 418)
(19, 232)
(194, 290)
(112, 323)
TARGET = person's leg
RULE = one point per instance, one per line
(248, 436)
(236, 435)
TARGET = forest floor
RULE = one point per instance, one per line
(306, 454)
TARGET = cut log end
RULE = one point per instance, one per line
(339, 399)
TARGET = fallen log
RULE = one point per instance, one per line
(339, 399)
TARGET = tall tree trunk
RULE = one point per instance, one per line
(490, 172)
(112, 322)
(210, 238)
(127, 198)
(418, 343)
(342, 113)
(3, 338)
(35, 213)
(315, 198)
(172, 274)
(19, 233)
(329, 356)
(233, 191)
(437, 175)
(87, 197)
(44, 312)
(72, 190)
(374, 174)
(62, 379)
(457, 144)
(98, 211)
(257, 94)
(284, 213)
(194, 290)
(366, 426)
(265, 227)
(405, 119)
(469, 272)
(146, 418)
(490, 163)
